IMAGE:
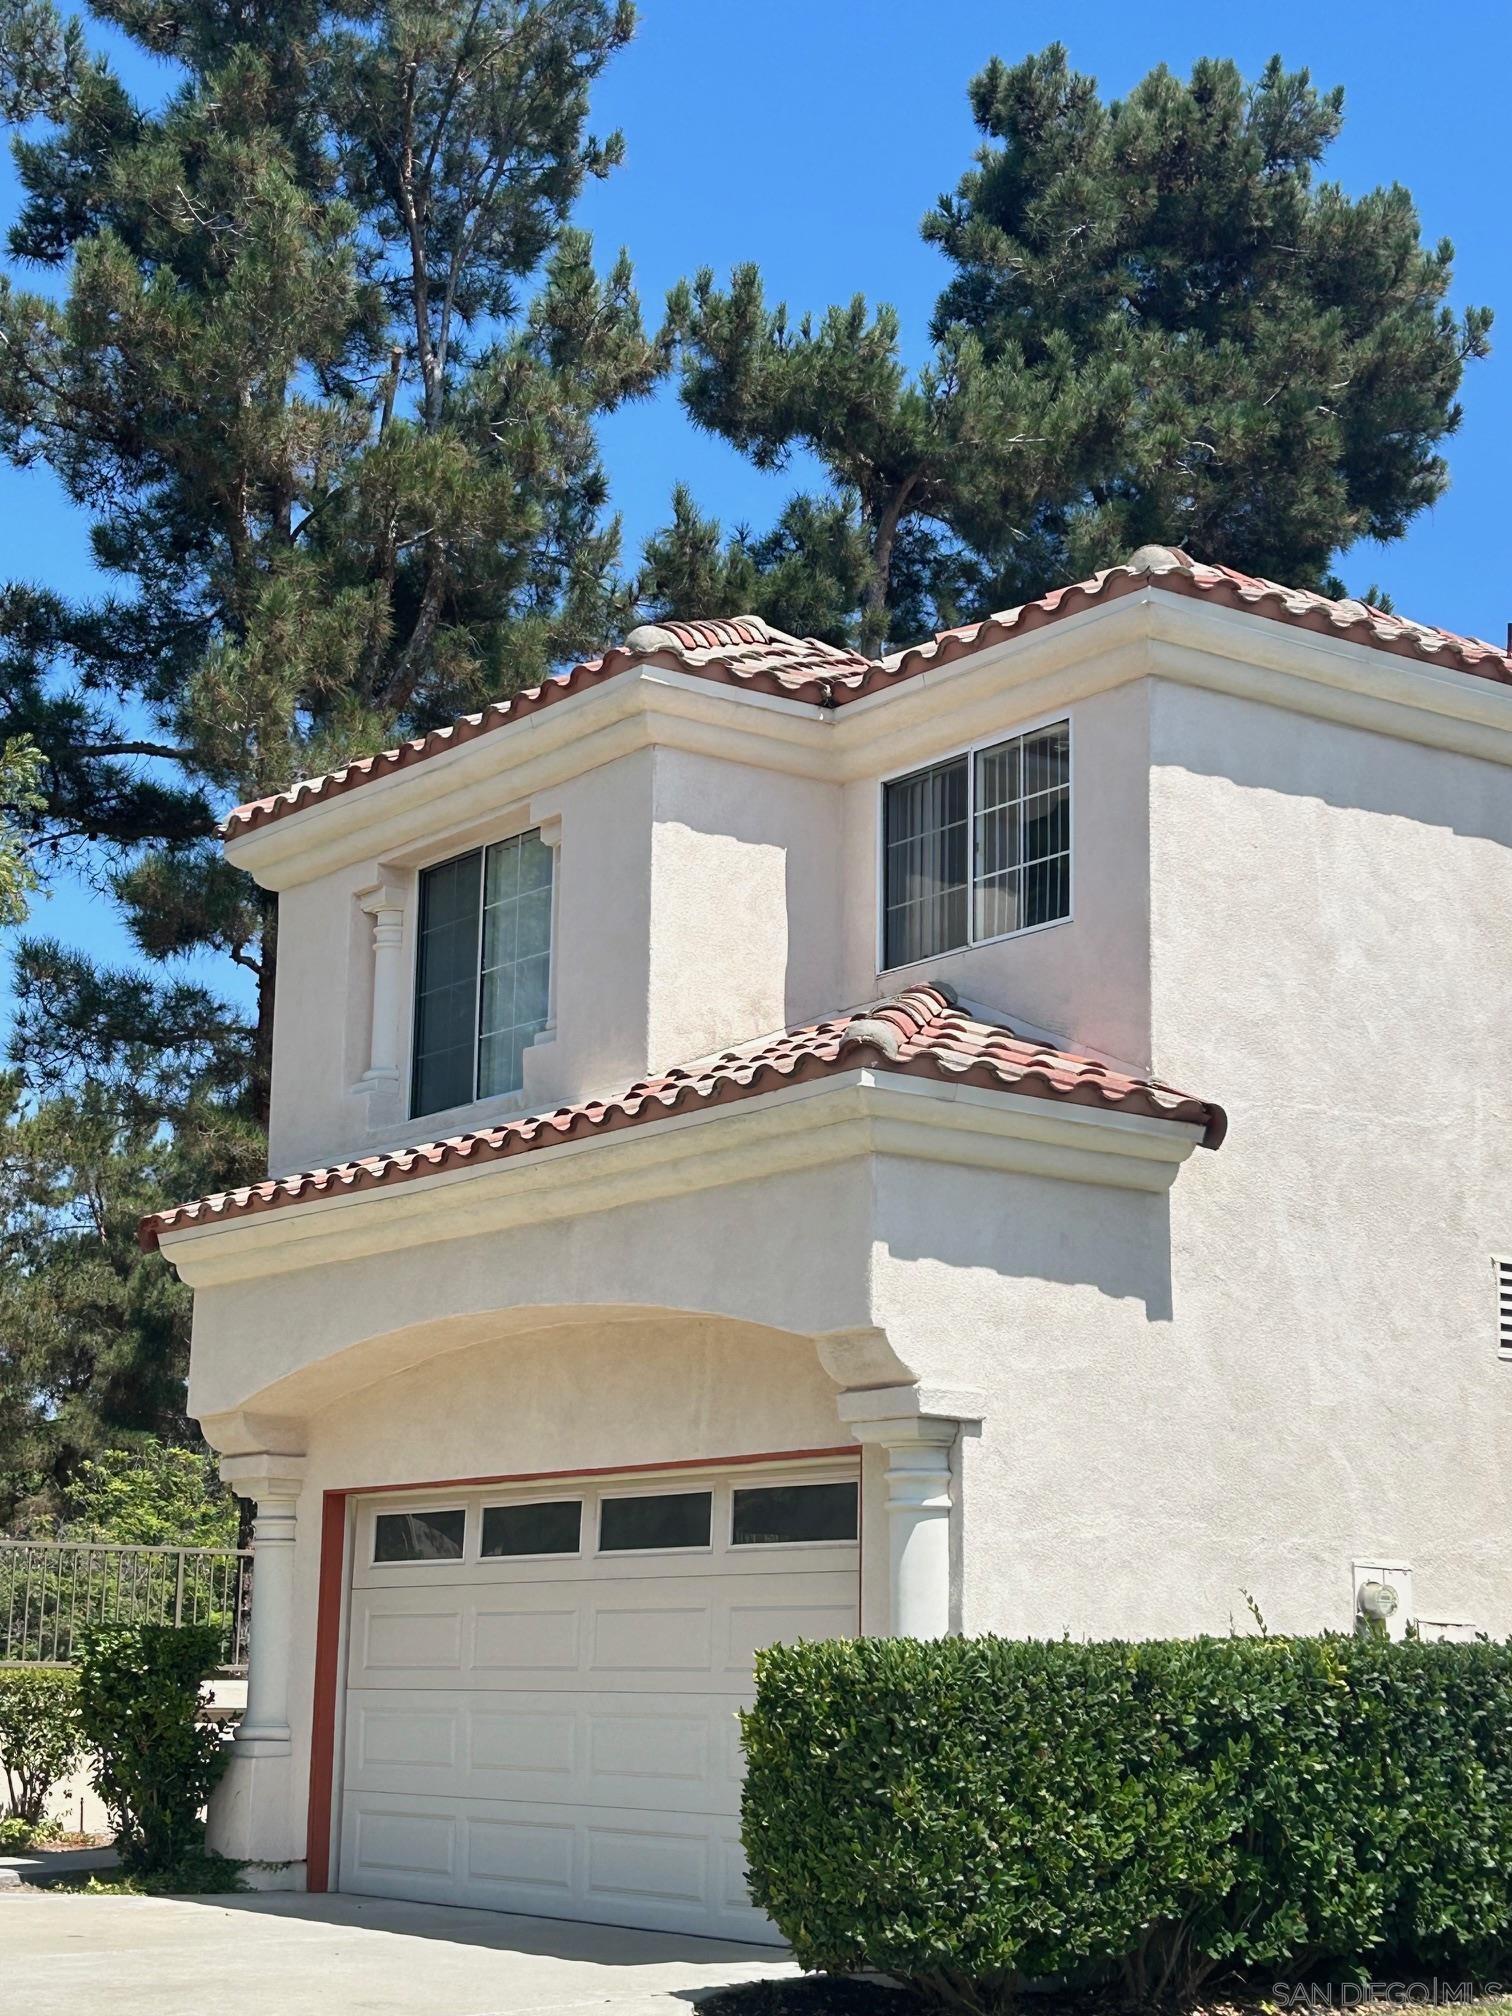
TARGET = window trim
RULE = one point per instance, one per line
(968, 752)
(469, 840)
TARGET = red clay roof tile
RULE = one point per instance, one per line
(1168, 568)
(746, 651)
(748, 645)
(920, 1032)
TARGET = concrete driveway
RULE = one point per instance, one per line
(282, 1955)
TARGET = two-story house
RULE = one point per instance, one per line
(819, 1064)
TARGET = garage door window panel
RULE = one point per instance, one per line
(650, 1523)
(533, 1531)
(413, 1538)
(793, 1515)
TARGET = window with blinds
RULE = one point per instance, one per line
(977, 848)
(482, 983)
(925, 829)
(1503, 1269)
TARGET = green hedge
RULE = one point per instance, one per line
(974, 1813)
(40, 1741)
(156, 1762)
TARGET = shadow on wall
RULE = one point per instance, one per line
(1019, 1231)
(1262, 748)
(759, 858)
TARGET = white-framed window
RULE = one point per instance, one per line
(977, 847)
(532, 1529)
(482, 972)
(409, 1538)
(1502, 1267)
(655, 1522)
(795, 1514)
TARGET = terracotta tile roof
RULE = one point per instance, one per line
(920, 1032)
(745, 645)
(1174, 571)
(746, 651)
(736, 651)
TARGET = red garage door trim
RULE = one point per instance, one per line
(333, 1532)
(331, 1607)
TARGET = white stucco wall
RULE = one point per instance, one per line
(702, 901)
(746, 904)
(1087, 979)
(698, 905)
(791, 1254)
(603, 823)
(322, 1018)
(1286, 1365)
(1332, 961)
(1289, 1363)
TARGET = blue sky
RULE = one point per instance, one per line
(812, 137)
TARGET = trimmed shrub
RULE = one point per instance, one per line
(972, 1814)
(40, 1739)
(157, 1763)
(16, 1836)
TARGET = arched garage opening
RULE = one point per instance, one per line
(537, 1554)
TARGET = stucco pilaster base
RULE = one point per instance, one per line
(919, 1427)
(251, 1810)
(251, 1820)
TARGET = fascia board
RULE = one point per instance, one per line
(1154, 634)
(1330, 678)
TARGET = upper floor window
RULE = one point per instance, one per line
(482, 987)
(977, 847)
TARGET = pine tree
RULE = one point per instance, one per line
(21, 800)
(94, 1344)
(1159, 327)
(806, 575)
(324, 373)
(321, 359)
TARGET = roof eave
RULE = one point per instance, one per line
(414, 804)
(932, 1115)
(848, 683)
(1459, 683)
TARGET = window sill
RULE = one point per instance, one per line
(470, 1119)
(918, 967)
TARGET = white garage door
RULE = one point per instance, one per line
(542, 1686)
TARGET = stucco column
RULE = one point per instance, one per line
(252, 1809)
(273, 1482)
(919, 1428)
(385, 905)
